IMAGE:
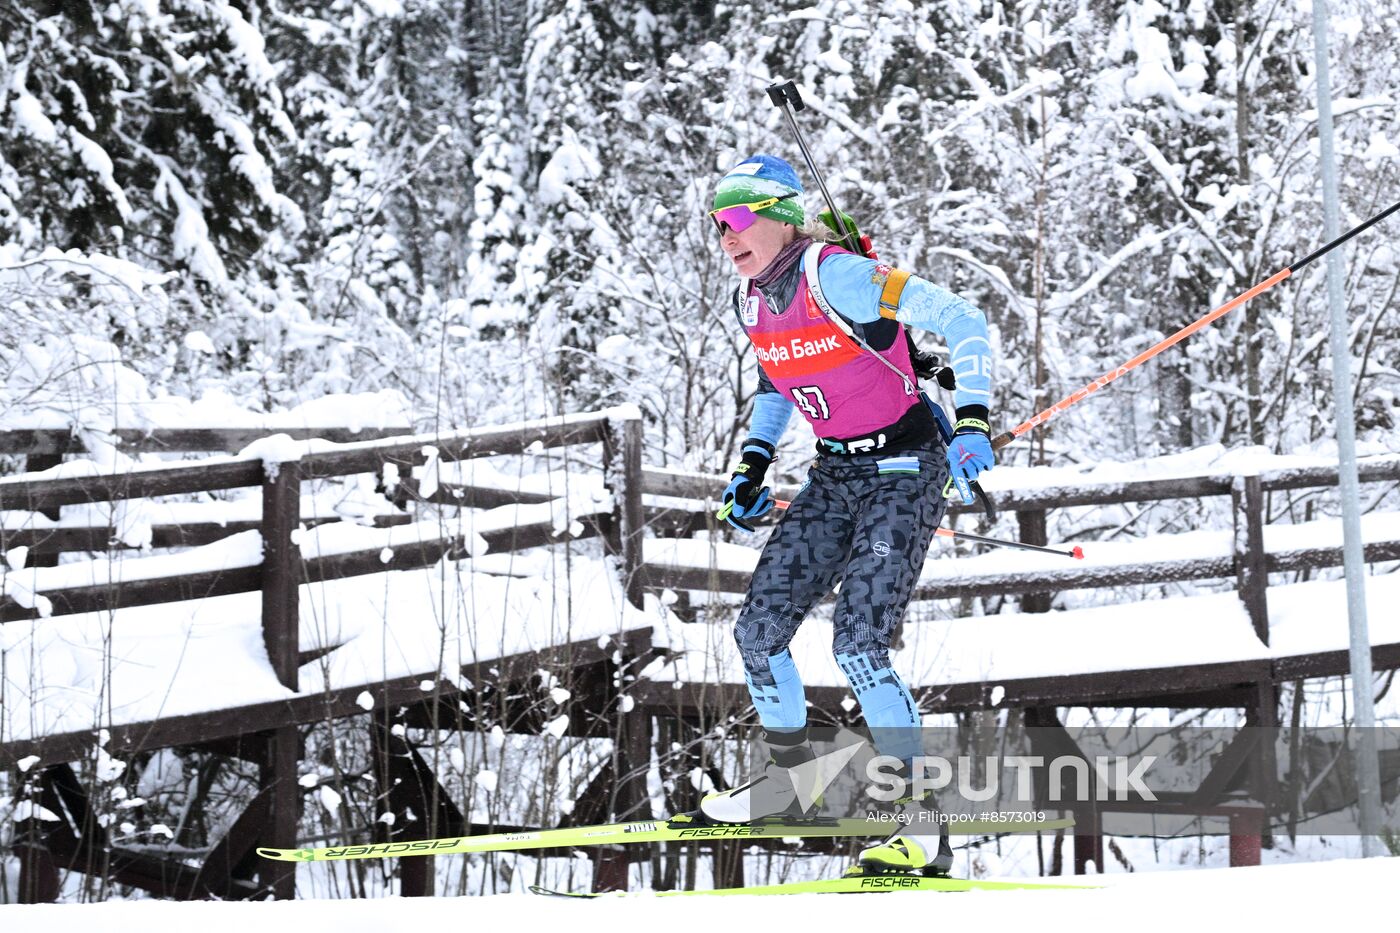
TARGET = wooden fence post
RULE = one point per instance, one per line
(1246, 836)
(33, 463)
(631, 758)
(39, 879)
(1088, 840)
(1251, 569)
(1032, 527)
(622, 465)
(281, 569)
(633, 736)
(1263, 776)
(277, 777)
(280, 593)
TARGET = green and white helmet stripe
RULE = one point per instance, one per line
(761, 177)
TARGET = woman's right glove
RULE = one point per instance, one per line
(746, 497)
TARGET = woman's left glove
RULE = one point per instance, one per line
(746, 497)
(970, 451)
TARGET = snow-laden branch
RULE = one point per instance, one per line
(995, 274)
(127, 275)
(987, 98)
(190, 238)
(1066, 299)
(1342, 106)
(814, 102)
(1163, 168)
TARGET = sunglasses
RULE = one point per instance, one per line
(740, 217)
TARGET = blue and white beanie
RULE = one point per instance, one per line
(759, 177)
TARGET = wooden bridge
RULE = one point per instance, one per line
(373, 614)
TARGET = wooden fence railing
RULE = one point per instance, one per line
(1249, 564)
(280, 483)
(283, 569)
(57, 442)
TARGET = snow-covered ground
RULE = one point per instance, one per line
(1285, 897)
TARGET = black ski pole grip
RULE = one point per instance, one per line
(785, 92)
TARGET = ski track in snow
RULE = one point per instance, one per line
(1289, 896)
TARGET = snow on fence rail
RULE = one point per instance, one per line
(1245, 557)
(277, 559)
(268, 560)
(210, 571)
(52, 442)
(279, 469)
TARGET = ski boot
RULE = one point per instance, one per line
(910, 849)
(784, 791)
(908, 854)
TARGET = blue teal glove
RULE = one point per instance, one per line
(746, 497)
(969, 452)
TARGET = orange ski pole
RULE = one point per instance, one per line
(1001, 440)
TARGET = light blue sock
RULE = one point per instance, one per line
(781, 705)
(886, 703)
